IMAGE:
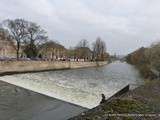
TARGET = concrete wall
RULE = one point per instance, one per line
(35, 66)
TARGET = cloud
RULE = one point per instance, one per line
(124, 24)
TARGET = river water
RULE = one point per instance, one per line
(82, 87)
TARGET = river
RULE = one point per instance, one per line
(82, 87)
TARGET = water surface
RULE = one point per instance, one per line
(80, 86)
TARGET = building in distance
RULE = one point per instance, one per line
(52, 51)
(7, 46)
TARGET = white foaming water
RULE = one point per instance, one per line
(80, 86)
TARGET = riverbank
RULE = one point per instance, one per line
(143, 100)
(146, 60)
(20, 104)
(11, 67)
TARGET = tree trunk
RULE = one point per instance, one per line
(18, 48)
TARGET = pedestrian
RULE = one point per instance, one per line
(103, 99)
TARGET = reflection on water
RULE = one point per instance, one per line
(80, 86)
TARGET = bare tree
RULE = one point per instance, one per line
(35, 36)
(99, 49)
(83, 43)
(17, 29)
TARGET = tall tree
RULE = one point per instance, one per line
(17, 29)
(35, 36)
(99, 49)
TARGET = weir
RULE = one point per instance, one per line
(82, 87)
(78, 97)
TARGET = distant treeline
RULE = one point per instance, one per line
(147, 60)
(28, 36)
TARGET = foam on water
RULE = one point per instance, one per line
(81, 86)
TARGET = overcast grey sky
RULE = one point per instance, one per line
(125, 25)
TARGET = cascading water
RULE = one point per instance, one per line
(79, 86)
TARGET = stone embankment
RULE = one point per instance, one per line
(10, 67)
